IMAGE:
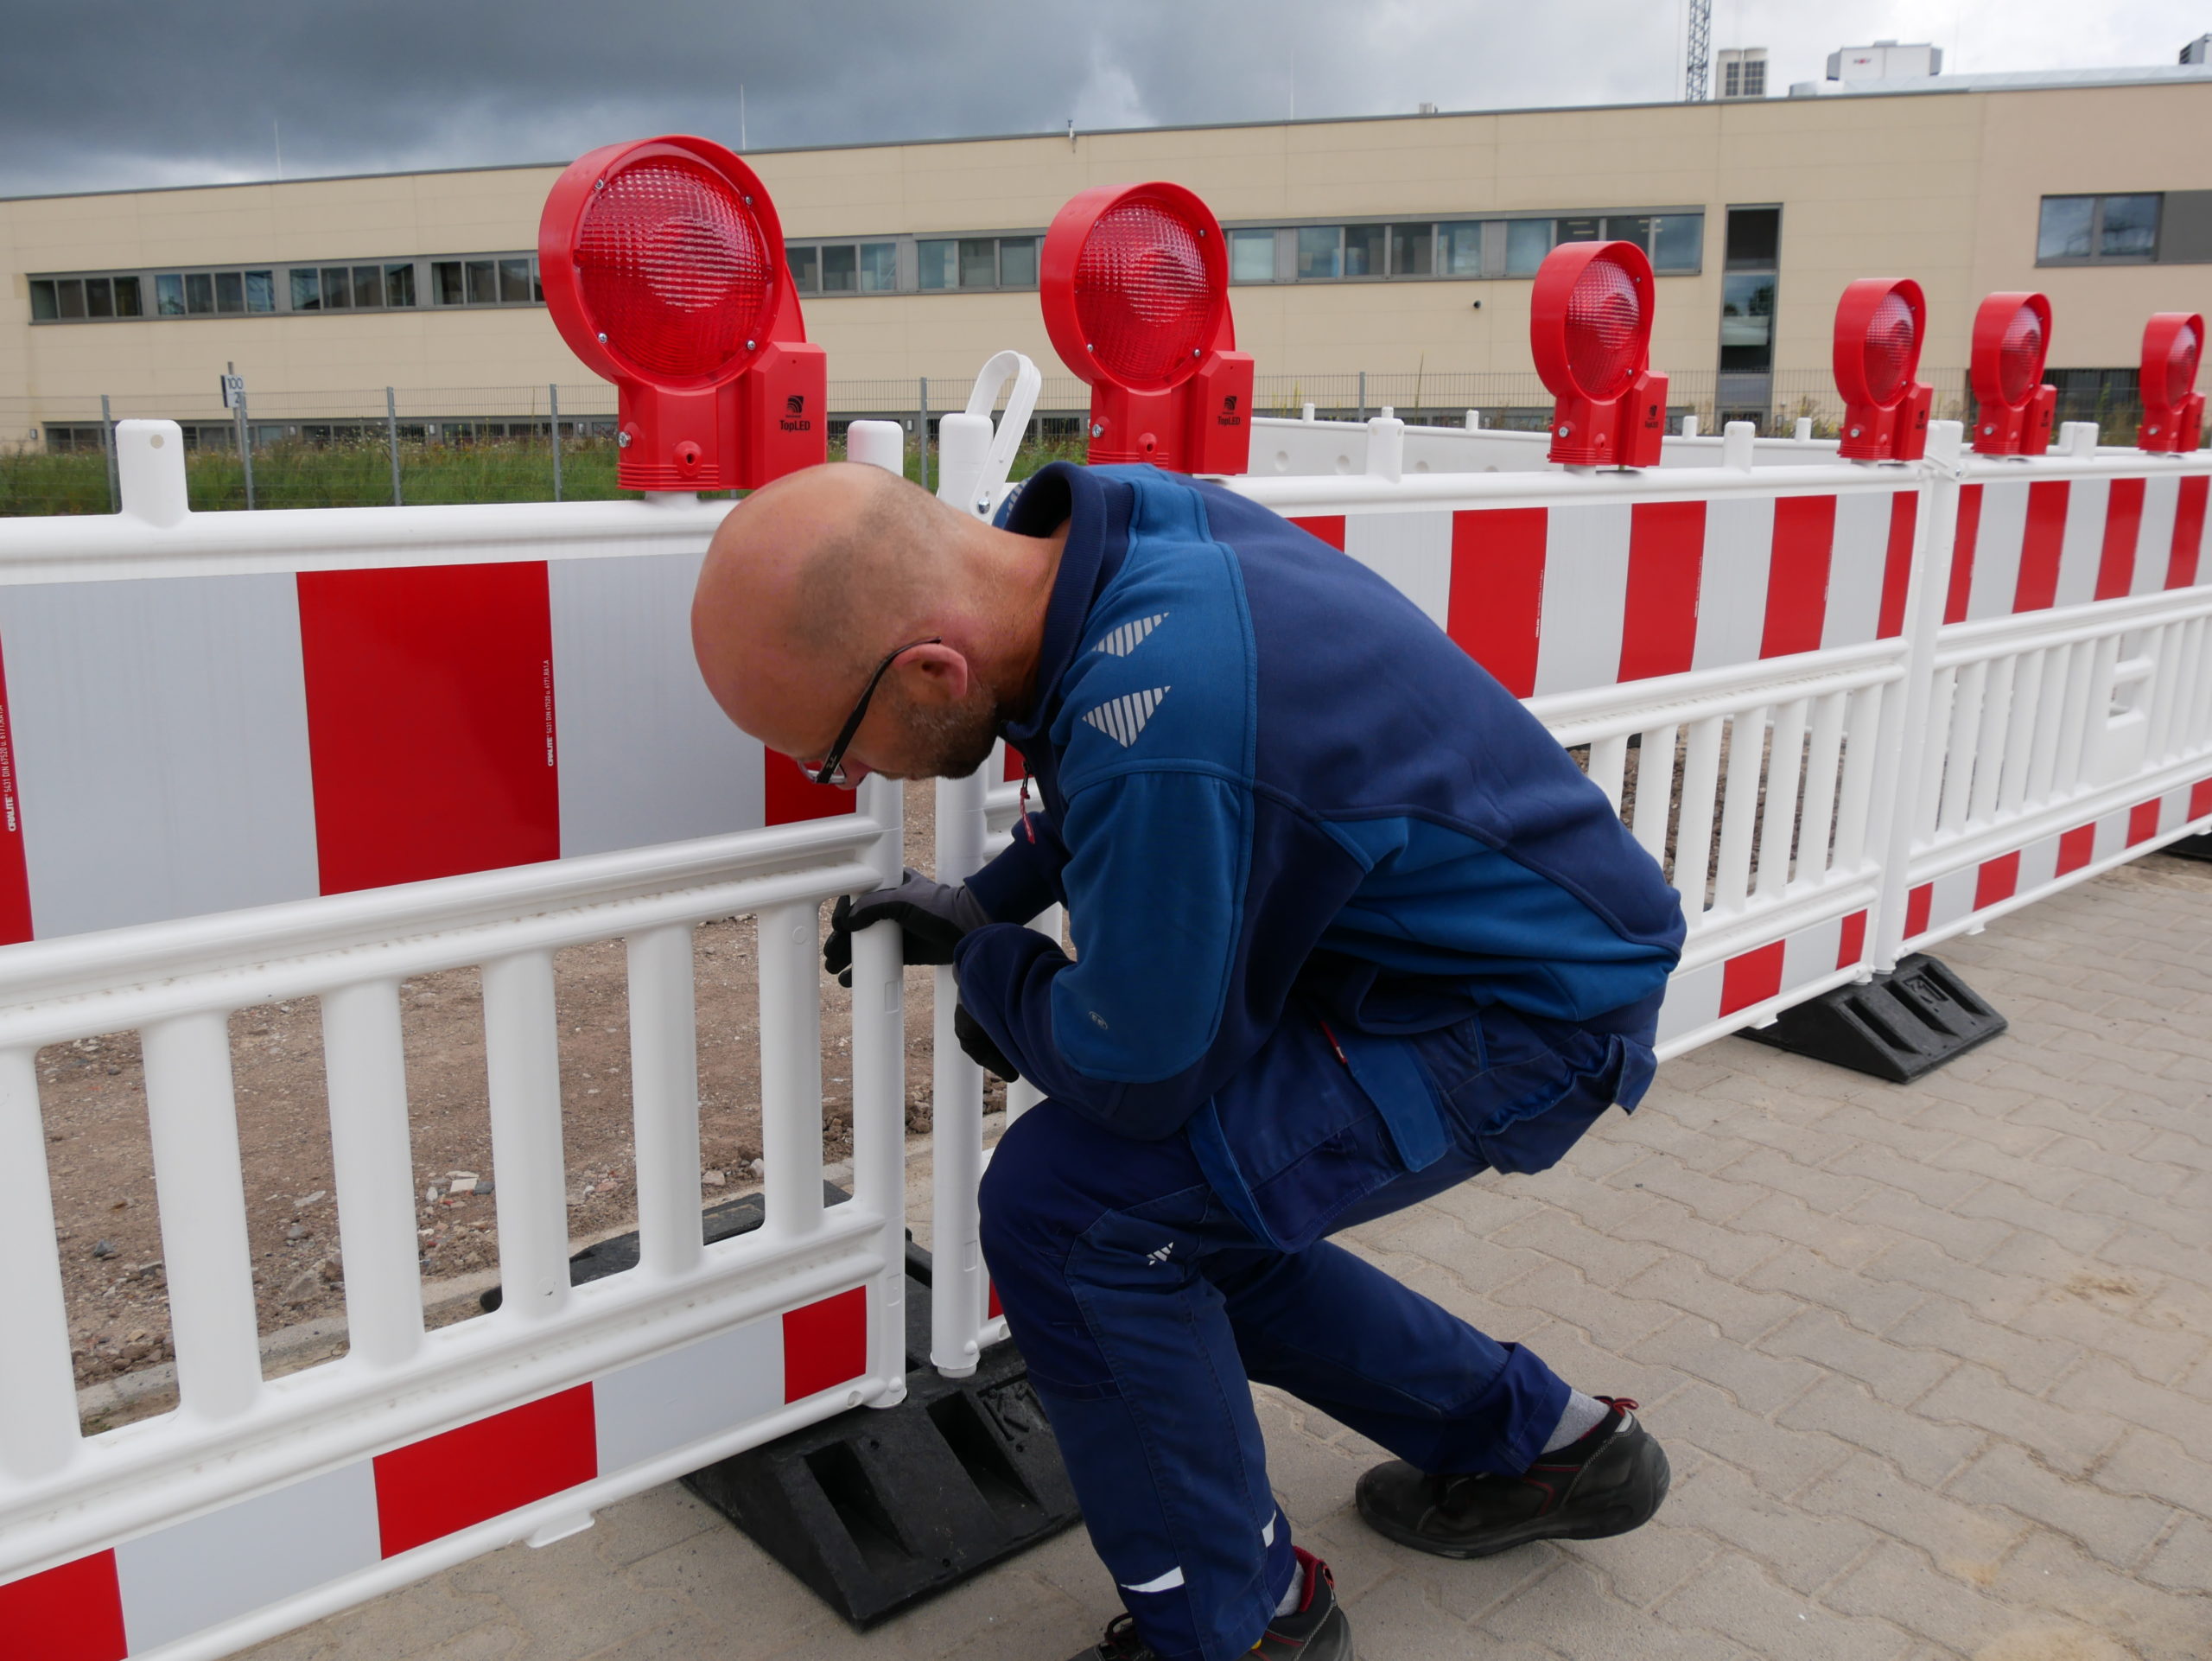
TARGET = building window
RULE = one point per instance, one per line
(973, 262)
(2098, 230)
(1754, 239)
(1527, 242)
(307, 290)
(1746, 323)
(1017, 261)
(1320, 253)
(1460, 249)
(511, 280)
(805, 266)
(1413, 250)
(1251, 256)
(399, 284)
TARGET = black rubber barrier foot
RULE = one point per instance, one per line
(1898, 1026)
(879, 1508)
(2197, 847)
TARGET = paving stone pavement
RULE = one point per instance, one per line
(1934, 1365)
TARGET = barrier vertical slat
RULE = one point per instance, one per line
(2020, 730)
(1867, 719)
(522, 1059)
(664, 1098)
(365, 1061)
(1928, 794)
(2171, 655)
(880, 1093)
(1700, 790)
(2081, 755)
(2050, 719)
(1747, 731)
(1653, 807)
(791, 1069)
(1960, 759)
(957, 1294)
(2080, 670)
(38, 1395)
(1816, 857)
(1609, 766)
(1993, 740)
(1784, 774)
(192, 1117)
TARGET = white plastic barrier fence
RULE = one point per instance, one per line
(1387, 445)
(261, 1503)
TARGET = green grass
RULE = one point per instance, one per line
(359, 475)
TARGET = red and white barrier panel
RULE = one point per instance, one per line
(1957, 899)
(2033, 544)
(311, 1536)
(238, 728)
(1728, 992)
(1565, 597)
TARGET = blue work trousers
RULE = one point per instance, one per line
(1148, 1282)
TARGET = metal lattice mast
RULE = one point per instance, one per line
(1698, 66)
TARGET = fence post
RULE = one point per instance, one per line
(1901, 752)
(553, 403)
(922, 438)
(107, 446)
(246, 446)
(392, 440)
(1363, 395)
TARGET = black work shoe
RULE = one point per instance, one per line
(1317, 1630)
(1609, 1482)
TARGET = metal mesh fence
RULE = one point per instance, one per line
(364, 447)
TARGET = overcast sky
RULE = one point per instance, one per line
(138, 94)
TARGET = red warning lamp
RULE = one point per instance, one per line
(663, 263)
(1879, 324)
(2173, 410)
(2012, 338)
(1135, 294)
(1590, 326)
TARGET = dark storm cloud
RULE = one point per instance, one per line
(172, 94)
(155, 92)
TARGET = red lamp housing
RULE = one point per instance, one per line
(2012, 338)
(1589, 327)
(1135, 293)
(1879, 325)
(2173, 410)
(662, 261)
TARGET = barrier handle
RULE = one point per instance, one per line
(982, 493)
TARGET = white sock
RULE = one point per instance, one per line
(1291, 1599)
(1584, 1414)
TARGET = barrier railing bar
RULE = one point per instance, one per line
(665, 1097)
(522, 1062)
(365, 1062)
(790, 1069)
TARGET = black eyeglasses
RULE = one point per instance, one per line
(831, 770)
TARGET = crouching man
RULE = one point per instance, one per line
(1351, 929)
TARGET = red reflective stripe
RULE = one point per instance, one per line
(2077, 848)
(1665, 556)
(15, 875)
(2142, 821)
(825, 1344)
(791, 797)
(1918, 905)
(1014, 769)
(1897, 571)
(991, 1310)
(2189, 532)
(1497, 590)
(429, 720)
(1954, 604)
(1998, 879)
(1853, 944)
(2123, 524)
(1330, 527)
(446, 1483)
(2200, 799)
(2041, 544)
(1797, 579)
(1750, 977)
(70, 1612)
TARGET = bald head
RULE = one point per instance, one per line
(812, 579)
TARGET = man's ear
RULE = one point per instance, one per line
(934, 674)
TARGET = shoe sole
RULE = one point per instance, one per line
(1618, 1520)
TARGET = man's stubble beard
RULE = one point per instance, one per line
(953, 740)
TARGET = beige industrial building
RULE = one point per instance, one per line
(1395, 249)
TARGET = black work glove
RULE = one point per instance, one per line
(977, 1043)
(932, 916)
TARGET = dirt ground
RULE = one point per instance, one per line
(107, 1219)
